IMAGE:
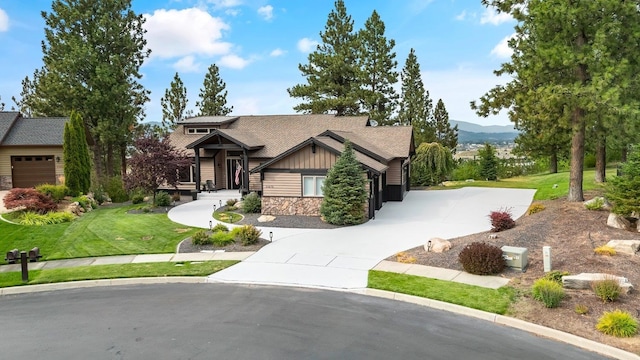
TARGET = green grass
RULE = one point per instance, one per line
(490, 300)
(544, 183)
(115, 272)
(227, 216)
(102, 232)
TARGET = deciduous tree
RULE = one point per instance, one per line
(213, 96)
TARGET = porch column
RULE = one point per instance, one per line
(245, 174)
(197, 150)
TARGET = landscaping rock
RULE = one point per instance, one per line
(266, 218)
(438, 245)
(619, 222)
(630, 247)
(584, 280)
(605, 203)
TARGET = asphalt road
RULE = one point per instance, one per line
(222, 321)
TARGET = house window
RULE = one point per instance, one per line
(186, 175)
(198, 130)
(312, 185)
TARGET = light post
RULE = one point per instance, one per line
(214, 208)
(220, 204)
(270, 236)
(210, 225)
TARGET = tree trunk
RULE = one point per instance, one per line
(624, 154)
(123, 159)
(110, 159)
(553, 163)
(97, 159)
(601, 160)
(577, 156)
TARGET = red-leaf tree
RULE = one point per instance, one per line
(155, 162)
(29, 199)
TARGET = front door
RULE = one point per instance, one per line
(235, 171)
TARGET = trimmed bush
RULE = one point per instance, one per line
(57, 192)
(30, 199)
(481, 259)
(608, 290)
(247, 234)
(137, 197)
(501, 220)
(163, 199)
(617, 323)
(201, 237)
(252, 204)
(99, 195)
(605, 250)
(220, 228)
(535, 208)
(34, 219)
(222, 238)
(116, 191)
(555, 275)
(547, 291)
(596, 204)
(231, 202)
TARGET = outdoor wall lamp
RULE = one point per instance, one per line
(270, 236)
(57, 159)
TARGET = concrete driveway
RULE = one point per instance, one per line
(341, 258)
(3, 193)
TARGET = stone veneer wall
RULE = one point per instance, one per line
(273, 205)
(6, 183)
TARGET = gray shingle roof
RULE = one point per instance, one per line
(36, 131)
(214, 120)
(7, 119)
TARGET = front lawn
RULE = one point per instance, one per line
(108, 230)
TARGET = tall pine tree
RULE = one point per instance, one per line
(332, 72)
(377, 70)
(445, 134)
(174, 103)
(416, 107)
(213, 96)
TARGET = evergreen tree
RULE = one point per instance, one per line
(416, 107)
(332, 72)
(431, 164)
(344, 190)
(27, 93)
(488, 162)
(174, 103)
(624, 191)
(445, 134)
(1, 104)
(213, 96)
(377, 69)
(77, 162)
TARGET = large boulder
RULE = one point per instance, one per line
(630, 247)
(437, 245)
(619, 222)
(584, 280)
(266, 218)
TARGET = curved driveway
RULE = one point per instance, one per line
(341, 258)
(225, 321)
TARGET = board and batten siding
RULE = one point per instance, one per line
(305, 158)
(394, 172)
(7, 152)
(281, 184)
(254, 178)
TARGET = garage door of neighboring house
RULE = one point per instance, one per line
(30, 171)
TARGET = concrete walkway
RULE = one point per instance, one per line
(341, 258)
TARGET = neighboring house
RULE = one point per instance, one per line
(30, 150)
(285, 158)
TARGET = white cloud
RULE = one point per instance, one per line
(491, 16)
(277, 52)
(502, 50)
(4, 21)
(233, 62)
(187, 64)
(266, 12)
(307, 45)
(462, 15)
(175, 33)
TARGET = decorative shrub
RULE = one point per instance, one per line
(581, 309)
(116, 191)
(35, 219)
(595, 204)
(99, 195)
(501, 220)
(231, 202)
(86, 202)
(163, 199)
(535, 208)
(608, 290)
(617, 323)
(605, 250)
(403, 257)
(30, 199)
(547, 291)
(57, 192)
(222, 238)
(220, 228)
(201, 237)
(481, 259)
(247, 234)
(137, 197)
(555, 275)
(252, 203)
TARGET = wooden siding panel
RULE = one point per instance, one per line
(254, 179)
(394, 172)
(282, 184)
(305, 158)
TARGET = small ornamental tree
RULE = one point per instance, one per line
(624, 191)
(155, 162)
(431, 165)
(30, 200)
(488, 162)
(344, 190)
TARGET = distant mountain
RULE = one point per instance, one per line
(467, 137)
(475, 128)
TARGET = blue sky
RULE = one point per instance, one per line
(258, 44)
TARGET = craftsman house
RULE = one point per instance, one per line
(285, 158)
(30, 150)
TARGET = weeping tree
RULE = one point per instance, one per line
(431, 164)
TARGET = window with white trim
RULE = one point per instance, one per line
(198, 130)
(312, 185)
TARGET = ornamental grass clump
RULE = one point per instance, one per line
(608, 289)
(222, 238)
(549, 292)
(604, 250)
(617, 323)
(481, 259)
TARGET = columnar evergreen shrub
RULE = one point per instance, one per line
(344, 190)
(624, 191)
(77, 161)
(488, 162)
(481, 259)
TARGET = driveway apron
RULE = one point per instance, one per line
(342, 257)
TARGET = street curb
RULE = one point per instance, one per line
(535, 329)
